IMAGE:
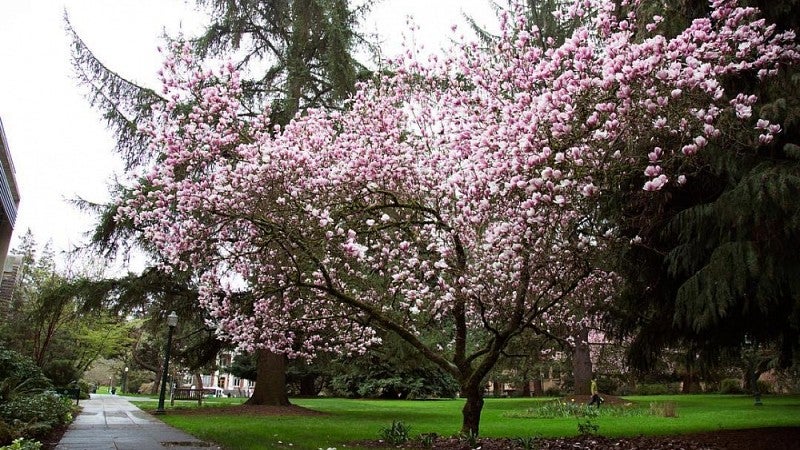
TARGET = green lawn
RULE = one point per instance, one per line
(349, 420)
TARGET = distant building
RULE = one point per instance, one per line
(8, 282)
(226, 383)
(9, 196)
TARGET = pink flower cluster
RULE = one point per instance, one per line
(460, 190)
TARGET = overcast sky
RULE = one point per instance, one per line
(60, 146)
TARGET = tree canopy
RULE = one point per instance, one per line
(455, 202)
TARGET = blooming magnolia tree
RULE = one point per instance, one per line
(453, 203)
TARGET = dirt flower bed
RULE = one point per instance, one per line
(750, 439)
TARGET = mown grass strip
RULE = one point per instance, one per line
(346, 421)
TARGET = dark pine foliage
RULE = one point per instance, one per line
(718, 259)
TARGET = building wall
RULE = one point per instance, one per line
(9, 196)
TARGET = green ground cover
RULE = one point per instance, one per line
(351, 420)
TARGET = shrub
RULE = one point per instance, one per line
(607, 385)
(588, 428)
(19, 375)
(764, 387)
(23, 444)
(730, 386)
(552, 392)
(427, 439)
(623, 390)
(559, 409)
(664, 409)
(526, 443)
(35, 415)
(470, 439)
(61, 372)
(7, 433)
(85, 388)
(396, 434)
(652, 389)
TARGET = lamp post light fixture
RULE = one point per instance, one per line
(125, 381)
(172, 320)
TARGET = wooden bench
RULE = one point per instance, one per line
(70, 393)
(190, 394)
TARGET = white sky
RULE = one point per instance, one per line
(61, 147)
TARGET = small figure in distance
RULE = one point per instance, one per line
(596, 399)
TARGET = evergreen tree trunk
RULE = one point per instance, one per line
(308, 385)
(538, 389)
(689, 381)
(270, 380)
(582, 363)
(471, 412)
(526, 388)
(497, 388)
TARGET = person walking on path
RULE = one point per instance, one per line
(112, 422)
(596, 399)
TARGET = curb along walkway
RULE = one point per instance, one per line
(113, 423)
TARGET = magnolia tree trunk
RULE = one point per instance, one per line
(270, 380)
(473, 392)
(198, 380)
(582, 363)
(525, 388)
(308, 385)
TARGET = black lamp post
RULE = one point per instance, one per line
(125, 381)
(172, 320)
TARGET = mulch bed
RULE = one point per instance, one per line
(787, 438)
(51, 440)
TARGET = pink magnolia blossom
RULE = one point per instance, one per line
(454, 191)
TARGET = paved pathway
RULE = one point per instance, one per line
(109, 422)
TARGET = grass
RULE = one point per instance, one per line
(351, 420)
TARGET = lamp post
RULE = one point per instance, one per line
(125, 381)
(172, 320)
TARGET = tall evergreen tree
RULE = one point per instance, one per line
(307, 46)
(715, 260)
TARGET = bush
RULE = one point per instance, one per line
(394, 384)
(85, 388)
(7, 433)
(664, 409)
(61, 372)
(652, 389)
(23, 444)
(396, 434)
(730, 386)
(19, 375)
(588, 428)
(764, 387)
(607, 385)
(552, 392)
(35, 415)
(623, 390)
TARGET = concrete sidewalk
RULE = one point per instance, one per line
(112, 422)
